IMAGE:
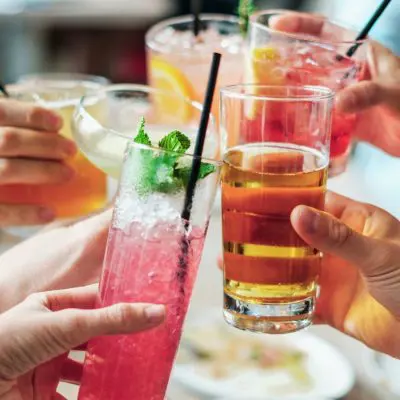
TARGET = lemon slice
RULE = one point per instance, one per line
(264, 68)
(167, 77)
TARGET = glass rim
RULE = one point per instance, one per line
(215, 17)
(131, 87)
(32, 91)
(317, 93)
(217, 163)
(62, 77)
(254, 20)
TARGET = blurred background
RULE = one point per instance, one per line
(106, 37)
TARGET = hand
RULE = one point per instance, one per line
(64, 257)
(376, 99)
(360, 279)
(37, 335)
(31, 151)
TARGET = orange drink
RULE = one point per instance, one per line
(87, 191)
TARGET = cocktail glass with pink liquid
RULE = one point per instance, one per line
(316, 57)
(179, 61)
(152, 256)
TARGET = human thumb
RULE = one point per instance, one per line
(372, 256)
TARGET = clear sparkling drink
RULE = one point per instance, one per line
(179, 61)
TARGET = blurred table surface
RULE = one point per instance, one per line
(358, 183)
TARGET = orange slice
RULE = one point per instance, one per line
(166, 77)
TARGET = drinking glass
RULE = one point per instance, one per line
(152, 256)
(104, 122)
(180, 62)
(87, 190)
(316, 57)
(270, 273)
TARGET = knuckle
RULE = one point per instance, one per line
(123, 314)
(370, 93)
(339, 233)
(35, 115)
(9, 139)
(79, 323)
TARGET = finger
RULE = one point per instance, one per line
(297, 23)
(23, 215)
(71, 371)
(383, 63)
(17, 171)
(335, 203)
(96, 221)
(362, 217)
(332, 236)
(79, 326)
(20, 142)
(366, 94)
(82, 297)
(28, 115)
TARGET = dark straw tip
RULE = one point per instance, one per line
(196, 163)
(4, 90)
(196, 6)
(368, 26)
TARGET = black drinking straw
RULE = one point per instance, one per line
(201, 136)
(368, 26)
(4, 90)
(196, 163)
(196, 8)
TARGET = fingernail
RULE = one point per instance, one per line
(46, 215)
(70, 149)
(154, 314)
(54, 121)
(68, 173)
(311, 220)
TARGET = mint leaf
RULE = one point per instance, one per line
(205, 170)
(166, 172)
(142, 137)
(184, 173)
(175, 141)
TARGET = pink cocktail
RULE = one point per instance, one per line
(152, 256)
(299, 58)
(138, 366)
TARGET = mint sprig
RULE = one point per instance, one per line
(142, 136)
(167, 172)
(175, 141)
(245, 9)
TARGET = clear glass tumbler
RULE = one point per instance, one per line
(270, 273)
(152, 256)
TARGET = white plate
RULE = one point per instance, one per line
(331, 374)
(382, 374)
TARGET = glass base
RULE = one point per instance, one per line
(338, 165)
(272, 318)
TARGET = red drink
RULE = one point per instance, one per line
(318, 59)
(307, 68)
(141, 269)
